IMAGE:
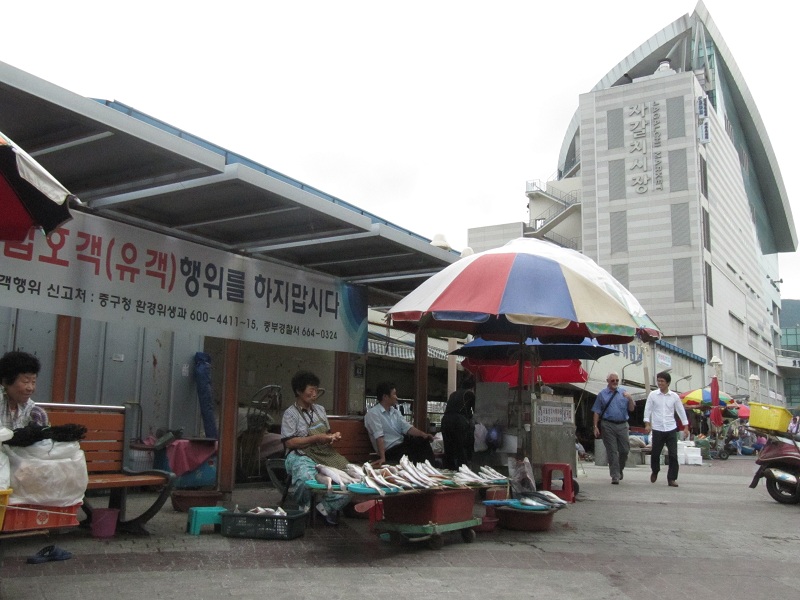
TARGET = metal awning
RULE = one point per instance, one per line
(130, 167)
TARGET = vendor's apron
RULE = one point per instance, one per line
(324, 454)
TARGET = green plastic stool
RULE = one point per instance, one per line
(204, 515)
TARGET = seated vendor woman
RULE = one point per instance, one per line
(307, 437)
(18, 372)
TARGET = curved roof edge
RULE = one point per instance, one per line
(626, 65)
(762, 153)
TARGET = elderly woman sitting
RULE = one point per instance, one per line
(18, 372)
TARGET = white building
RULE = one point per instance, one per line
(666, 178)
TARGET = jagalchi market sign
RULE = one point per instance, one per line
(99, 269)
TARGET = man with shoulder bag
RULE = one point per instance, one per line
(611, 408)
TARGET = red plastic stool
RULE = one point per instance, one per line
(566, 493)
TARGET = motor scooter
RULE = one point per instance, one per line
(779, 465)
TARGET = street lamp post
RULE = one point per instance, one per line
(687, 378)
(717, 364)
(755, 388)
(622, 375)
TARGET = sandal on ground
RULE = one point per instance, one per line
(47, 554)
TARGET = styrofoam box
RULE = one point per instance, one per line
(694, 460)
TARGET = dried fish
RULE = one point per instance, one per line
(369, 482)
(337, 476)
(324, 480)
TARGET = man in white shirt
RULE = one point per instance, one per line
(390, 434)
(659, 421)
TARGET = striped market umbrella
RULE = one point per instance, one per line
(528, 288)
(29, 195)
(703, 396)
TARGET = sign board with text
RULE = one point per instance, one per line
(99, 269)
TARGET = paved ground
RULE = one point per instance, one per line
(712, 535)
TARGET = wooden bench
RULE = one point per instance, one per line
(355, 444)
(104, 448)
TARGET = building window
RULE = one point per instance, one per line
(791, 391)
(615, 128)
(741, 366)
(678, 170)
(709, 286)
(703, 177)
(707, 232)
(619, 231)
(676, 118)
(681, 234)
(682, 276)
(616, 179)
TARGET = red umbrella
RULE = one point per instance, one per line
(716, 412)
(29, 195)
(716, 416)
(714, 392)
(549, 372)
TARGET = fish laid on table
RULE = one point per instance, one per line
(371, 483)
(355, 472)
(378, 478)
(532, 502)
(336, 476)
(393, 475)
(416, 475)
(550, 497)
(324, 480)
(466, 475)
(491, 473)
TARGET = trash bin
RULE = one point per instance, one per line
(104, 522)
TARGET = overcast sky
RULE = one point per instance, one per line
(430, 114)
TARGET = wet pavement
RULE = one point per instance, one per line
(712, 535)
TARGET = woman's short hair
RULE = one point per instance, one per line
(14, 363)
(303, 379)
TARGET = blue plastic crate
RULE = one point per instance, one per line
(203, 476)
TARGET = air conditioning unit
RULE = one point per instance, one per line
(702, 107)
(704, 131)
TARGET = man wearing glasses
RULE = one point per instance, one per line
(611, 408)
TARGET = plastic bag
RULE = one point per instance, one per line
(494, 437)
(5, 472)
(520, 474)
(480, 437)
(48, 473)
